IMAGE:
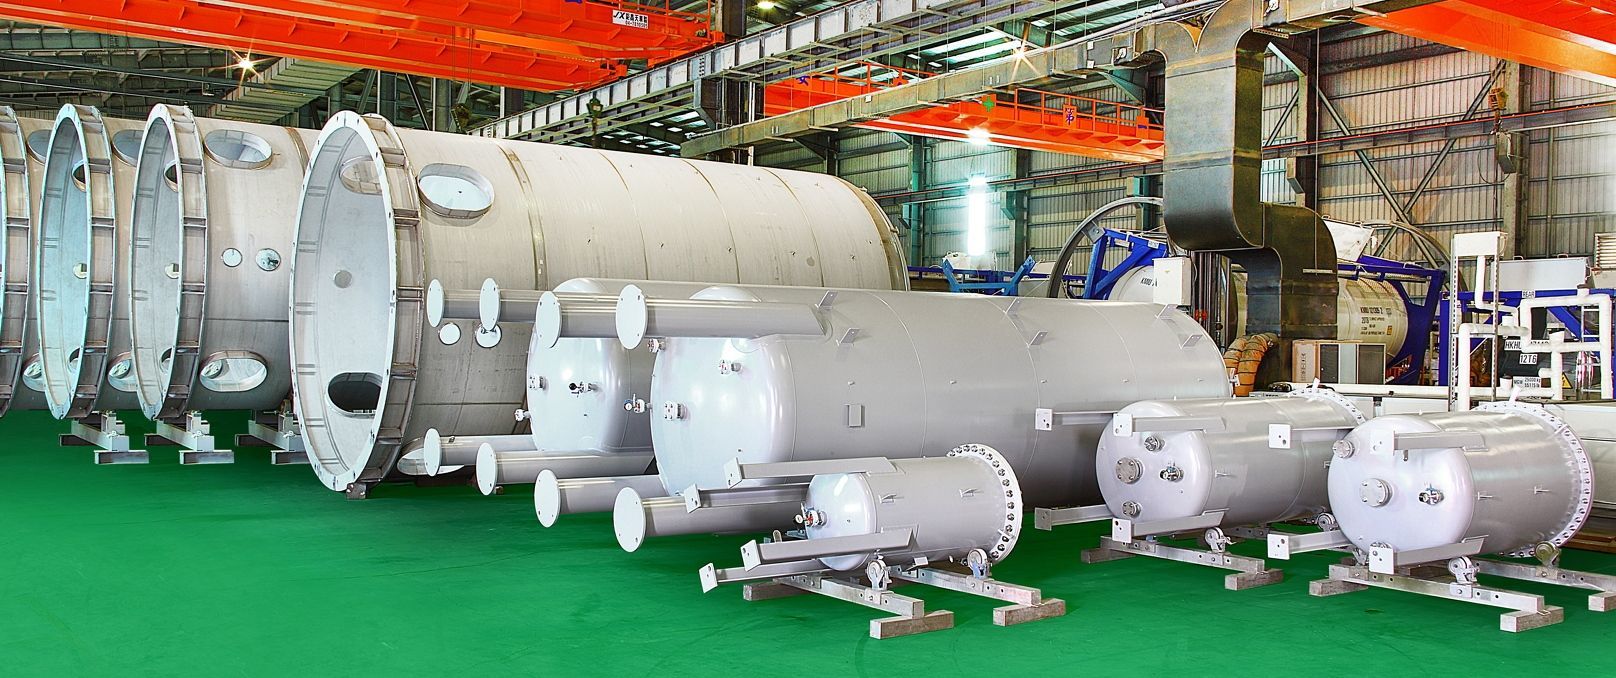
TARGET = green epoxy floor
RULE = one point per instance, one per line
(255, 570)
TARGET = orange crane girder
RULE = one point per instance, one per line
(191, 22)
(591, 29)
(1054, 123)
(1575, 37)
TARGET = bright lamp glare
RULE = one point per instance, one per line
(977, 136)
(976, 217)
(245, 63)
(765, 5)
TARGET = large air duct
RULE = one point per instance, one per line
(83, 224)
(1211, 185)
(20, 371)
(385, 210)
(211, 227)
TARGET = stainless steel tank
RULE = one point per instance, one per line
(20, 183)
(899, 374)
(948, 506)
(1367, 310)
(385, 210)
(82, 322)
(212, 219)
(1511, 474)
(1257, 460)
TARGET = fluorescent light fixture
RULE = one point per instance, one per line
(765, 5)
(976, 216)
(977, 136)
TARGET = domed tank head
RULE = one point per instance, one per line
(579, 390)
(1148, 474)
(1406, 499)
(841, 505)
(716, 400)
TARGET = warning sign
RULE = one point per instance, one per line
(630, 19)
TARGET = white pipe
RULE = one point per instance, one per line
(573, 315)
(496, 305)
(497, 468)
(1557, 347)
(446, 304)
(439, 453)
(554, 497)
(639, 317)
(634, 518)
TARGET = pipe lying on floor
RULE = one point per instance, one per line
(554, 497)
(498, 468)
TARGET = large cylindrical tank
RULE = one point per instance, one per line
(20, 183)
(1510, 472)
(1369, 311)
(212, 226)
(577, 388)
(901, 374)
(968, 500)
(82, 322)
(1235, 465)
(385, 210)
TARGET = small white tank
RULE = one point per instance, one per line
(1510, 472)
(1240, 464)
(965, 501)
(579, 389)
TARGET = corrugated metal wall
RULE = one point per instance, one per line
(1572, 169)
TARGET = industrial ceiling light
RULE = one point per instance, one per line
(765, 5)
(976, 216)
(977, 136)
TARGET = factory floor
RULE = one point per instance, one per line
(249, 569)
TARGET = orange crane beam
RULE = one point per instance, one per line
(580, 29)
(1575, 37)
(1030, 119)
(190, 22)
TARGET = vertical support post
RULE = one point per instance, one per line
(914, 213)
(387, 95)
(442, 119)
(511, 101)
(1510, 151)
(1017, 205)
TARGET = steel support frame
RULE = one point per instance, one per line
(1248, 572)
(1527, 611)
(105, 432)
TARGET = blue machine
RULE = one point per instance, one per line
(1142, 252)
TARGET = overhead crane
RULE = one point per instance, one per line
(542, 45)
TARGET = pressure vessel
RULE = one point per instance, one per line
(385, 210)
(968, 500)
(1510, 473)
(1259, 460)
(211, 223)
(82, 323)
(900, 374)
(581, 390)
(1367, 310)
(20, 184)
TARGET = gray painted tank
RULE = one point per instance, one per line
(212, 228)
(82, 323)
(1233, 466)
(1511, 472)
(577, 387)
(384, 211)
(903, 374)
(967, 500)
(20, 184)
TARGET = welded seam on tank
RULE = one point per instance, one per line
(920, 365)
(645, 247)
(813, 233)
(1030, 433)
(535, 219)
(735, 254)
